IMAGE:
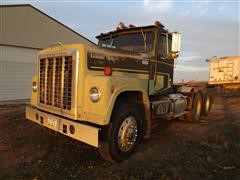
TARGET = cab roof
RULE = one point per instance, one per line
(102, 35)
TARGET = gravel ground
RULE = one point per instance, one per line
(177, 150)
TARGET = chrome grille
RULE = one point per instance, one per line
(55, 82)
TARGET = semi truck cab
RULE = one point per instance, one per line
(108, 95)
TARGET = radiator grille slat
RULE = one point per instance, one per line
(67, 88)
(58, 82)
(49, 81)
(42, 65)
(55, 82)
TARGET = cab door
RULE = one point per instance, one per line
(161, 68)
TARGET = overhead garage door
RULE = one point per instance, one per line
(17, 66)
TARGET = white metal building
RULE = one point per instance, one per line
(24, 30)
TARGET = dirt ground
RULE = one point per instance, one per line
(177, 150)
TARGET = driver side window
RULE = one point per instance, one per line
(162, 46)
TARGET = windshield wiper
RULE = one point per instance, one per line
(111, 41)
(144, 39)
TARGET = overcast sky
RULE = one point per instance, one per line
(208, 28)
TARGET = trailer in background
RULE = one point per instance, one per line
(225, 72)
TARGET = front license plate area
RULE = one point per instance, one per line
(53, 123)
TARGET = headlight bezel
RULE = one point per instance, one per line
(94, 94)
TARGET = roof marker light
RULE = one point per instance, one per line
(131, 26)
(157, 23)
(121, 26)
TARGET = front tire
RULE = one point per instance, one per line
(121, 137)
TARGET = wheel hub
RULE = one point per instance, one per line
(127, 134)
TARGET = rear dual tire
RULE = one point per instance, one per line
(200, 106)
(195, 114)
(207, 104)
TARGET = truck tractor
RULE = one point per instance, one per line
(108, 95)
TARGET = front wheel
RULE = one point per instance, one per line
(121, 137)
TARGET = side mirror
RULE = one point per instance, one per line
(176, 43)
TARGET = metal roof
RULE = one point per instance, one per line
(26, 26)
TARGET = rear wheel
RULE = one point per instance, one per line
(121, 137)
(207, 103)
(195, 114)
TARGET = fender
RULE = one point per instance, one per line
(110, 88)
(126, 88)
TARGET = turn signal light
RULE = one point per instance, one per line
(107, 71)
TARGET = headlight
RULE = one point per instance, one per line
(94, 94)
(34, 86)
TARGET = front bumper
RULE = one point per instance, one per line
(76, 130)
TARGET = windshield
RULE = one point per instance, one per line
(134, 42)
